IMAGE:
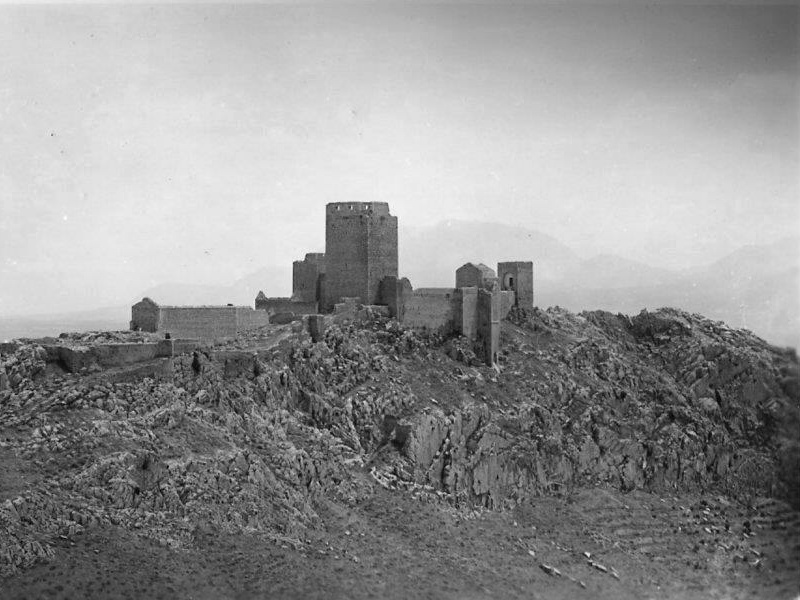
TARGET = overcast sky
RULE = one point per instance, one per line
(141, 145)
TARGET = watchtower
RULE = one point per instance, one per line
(360, 250)
(517, 276)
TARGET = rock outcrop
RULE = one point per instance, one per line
(251, 435)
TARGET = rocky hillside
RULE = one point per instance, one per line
(255, 435)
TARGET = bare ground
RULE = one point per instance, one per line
(395, 546)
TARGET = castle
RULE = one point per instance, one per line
(360, 267)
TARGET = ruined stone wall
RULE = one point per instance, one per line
(507, 300)
(433, 309)
(274, 306)
(76, 358)
(144, 315)
(466, 316)
(360, 250)
(201, 322)
(306, 277)
(489, 324)
(247, 318)
(114, 355)
(393, 293)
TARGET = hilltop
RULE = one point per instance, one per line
(606, 456)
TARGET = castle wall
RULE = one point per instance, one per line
(507, 301)
(202, 322)
(74, 359)
(274, 306)
(394, 293)
(466, 322)
(360, 250)
(306, 277)
(433, 309)
(115, 355)
(247, 318)
(489, 324)
(209, 322)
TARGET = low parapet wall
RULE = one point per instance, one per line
(76, 358)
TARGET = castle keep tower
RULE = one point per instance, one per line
(360, 250)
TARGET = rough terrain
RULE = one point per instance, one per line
(606, 457)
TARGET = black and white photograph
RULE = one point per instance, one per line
(401, 299)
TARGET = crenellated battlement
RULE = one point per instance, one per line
(357, 208)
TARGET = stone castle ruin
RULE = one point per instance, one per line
(360, 268)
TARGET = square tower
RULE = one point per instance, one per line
(518, 277)
(360, 250)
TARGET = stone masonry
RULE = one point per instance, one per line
(360, 250)
(517, 277)
(360, 266)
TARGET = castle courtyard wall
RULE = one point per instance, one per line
(432, 309)
(202, 322)
(247, 318)
(306, 277)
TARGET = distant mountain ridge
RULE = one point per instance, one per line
(429, 256)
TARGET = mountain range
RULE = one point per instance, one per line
(755, 287)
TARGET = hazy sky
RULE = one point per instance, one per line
(199, 143)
